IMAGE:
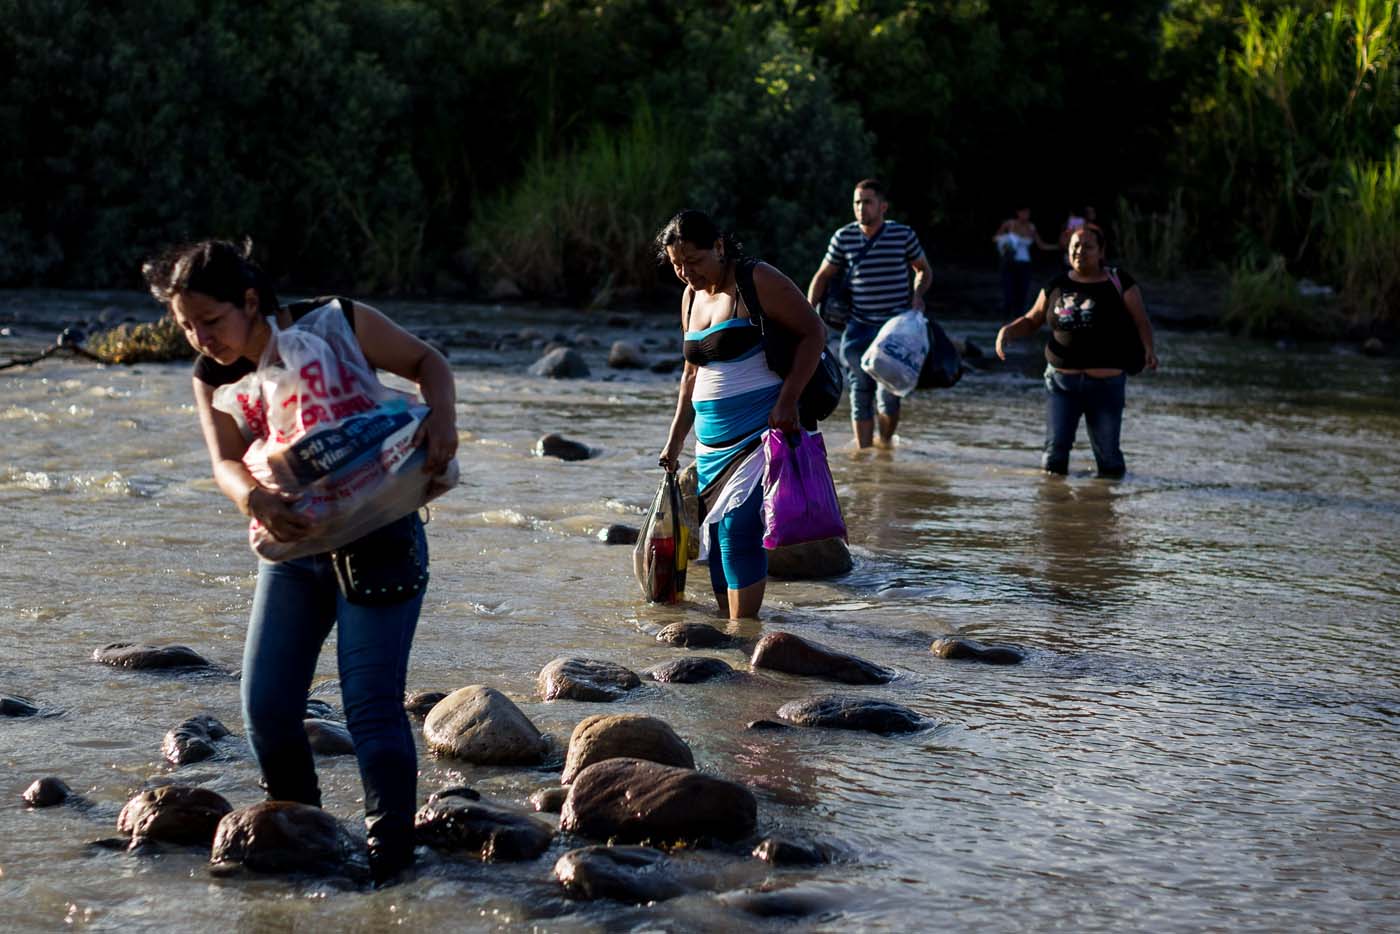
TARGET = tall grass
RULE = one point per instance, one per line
(1153, 242)
(579, 224)
(1363, 236)
(1265, 300)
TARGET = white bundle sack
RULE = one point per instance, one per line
(897, 354)
(323, 425)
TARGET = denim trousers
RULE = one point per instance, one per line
(1099, 401)
(865, 392)
(294, 606)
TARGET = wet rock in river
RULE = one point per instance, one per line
(849, 712)
(489, 831)
(13, 706)
(633, 874)
(828, 557)
(619, 535)
(956, 647)
(193, 740)
(785, 903)
(694, 636)
(173, 814)
(149, 657)
(625, 355)
(421, 703)
(627, 735)
(690, 670)
(767, 726)
(280, 837)
(560, 363)
(328, 737)
(665, 365)
(632, 800)
(783, 651)
(455, 791)
(561, 447)
(585, 679)
(320, 710)
(782, 851)
(46, 792)
(549, 800)
(481, 725)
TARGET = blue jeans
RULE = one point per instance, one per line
(865, 392)
(1100, 402)
(294, 606)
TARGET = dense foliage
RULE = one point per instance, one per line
(414, 144)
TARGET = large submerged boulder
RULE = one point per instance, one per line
(481, 725)
(585, 679)
(632, 800)
(193, 740)
(689, 670)
(281, 837)
(819, 560)
(173, 814)
(560, 363)
(633, 874)
(694, 636)
(850, 712)
(783, 651)
(488, 831)
(627, 735)
(149, 657)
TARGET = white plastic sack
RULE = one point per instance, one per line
(323, 425)
(896, 356)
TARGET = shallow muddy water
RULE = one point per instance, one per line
(1204, 736)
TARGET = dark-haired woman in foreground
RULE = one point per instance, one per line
(730, 395)
(224, 303)
(1095, 314)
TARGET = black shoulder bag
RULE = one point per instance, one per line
(1134, 355)
(823, 390)
(836, 303)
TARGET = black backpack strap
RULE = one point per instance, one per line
(689, 307)
(347, 308)
(743, 278)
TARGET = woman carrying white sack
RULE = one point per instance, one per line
(372, 589)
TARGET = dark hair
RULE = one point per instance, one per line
(1097, 231)
(698, 229)
(873, 184)
(220, 269)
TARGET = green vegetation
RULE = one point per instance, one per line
(141, 343)
(386, 145)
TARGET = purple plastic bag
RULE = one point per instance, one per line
(799, 496)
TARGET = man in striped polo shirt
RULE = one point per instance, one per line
(882, 253)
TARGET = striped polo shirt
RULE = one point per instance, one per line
(881, 286)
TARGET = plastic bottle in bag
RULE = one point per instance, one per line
(661, 555)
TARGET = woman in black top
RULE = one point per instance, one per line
(1098, 330)
(223, 302)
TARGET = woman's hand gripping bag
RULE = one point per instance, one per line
(799, 496)
(663, 550)
(322, 425)
(896, 356)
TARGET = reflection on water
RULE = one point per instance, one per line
(1203, 736)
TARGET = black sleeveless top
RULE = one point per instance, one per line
(1088, 323)
(213, 373)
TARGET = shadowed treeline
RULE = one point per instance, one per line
(409, 145)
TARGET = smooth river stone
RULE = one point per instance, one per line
(633, 874)
(489, 831)
(956, 647)
(46, 792)
(549, 800)
(280, 837)
(560, 363)
(14, 706)
(625, 355)
(481, 725)
(173, 814)
(149, 657)
(783, 651)
(694, 636)
(851, 712)
(828, 557)
(585, 679)
(328, 737)
(618, 534)
(689, 670)
(562, 448)
(421, 703)
(632, 800)
(193, 740)
(628, 735)
(781, 851)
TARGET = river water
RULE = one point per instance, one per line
(1204, 736)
